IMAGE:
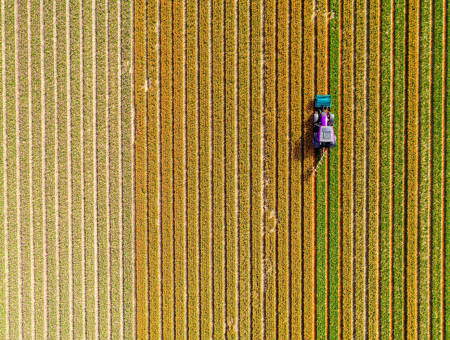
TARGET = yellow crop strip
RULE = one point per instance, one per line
(359, 158)
(192, 181)
(218, 169)
(231, 181)
(153, 228)
(296, 170)
(257, 168)
(205, 202)
(142, 279)
(412, 179)
(244, 172)
(283, 172)
(270, 208)
(166, 159)
(347, 252)
(373, 173)
(179, 170)
(309, 263)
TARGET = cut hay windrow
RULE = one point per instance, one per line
(347, 137)
(179, 168)
(425, 170)
(166, 164)
(399, 228)
(296, 151)
(192, 180)
(257, 170)
(373, 175)
(437, 174)
(231, 167)
(283, 203)
(205, 203)
(244, 293)
(309, 270)
(270, 181)
(360, 158)
(386, 170)
(218, 168)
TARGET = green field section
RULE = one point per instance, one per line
(240, 231)
(67, 170)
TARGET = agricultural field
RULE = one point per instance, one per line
(158, 177)
(67, 264)
(238, 235)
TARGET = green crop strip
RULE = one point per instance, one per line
(399, 155)
(322, 179)
(334, 176)
(437, 222)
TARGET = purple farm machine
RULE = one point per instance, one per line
(323, 131)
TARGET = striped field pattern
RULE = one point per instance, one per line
(67, 263)
(237, 235)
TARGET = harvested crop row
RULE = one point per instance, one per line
(347, 129)
(218, 168)
(283, 203)
(257, 170)
(231, 167)
(192, 180)
(359, 159)
(179, 168)
(244, 293)
(296, 169)
(373, 164)
(270, 182)
(205, 155)
(386, 169)
(309, 308)
(143, 311)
